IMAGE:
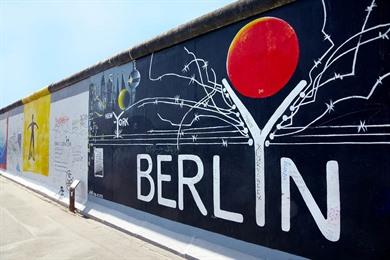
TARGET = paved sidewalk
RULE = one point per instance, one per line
(33, 227)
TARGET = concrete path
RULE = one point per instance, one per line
(34, 227)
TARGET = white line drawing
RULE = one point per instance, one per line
(259, 137)
(309, 94)
(329, 143)
(215, 104)
(116, 122)
(224, 111)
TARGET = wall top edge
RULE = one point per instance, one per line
(224, 16)
(40, 93)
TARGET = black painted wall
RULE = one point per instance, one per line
(347, 120)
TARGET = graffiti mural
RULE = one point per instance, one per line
(3, 142)
(14, 153)
(69, 144)
(268, 130)
(36, 136)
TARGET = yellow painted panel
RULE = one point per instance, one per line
(36, 136)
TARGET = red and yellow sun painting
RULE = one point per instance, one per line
(262, 57)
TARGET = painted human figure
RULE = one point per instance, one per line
(31, 150)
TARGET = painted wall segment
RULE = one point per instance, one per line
(36, 136)
(48, 142)
(69, 144)
(15, 142)
(240, 133)
(3, 142)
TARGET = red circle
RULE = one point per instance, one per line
(262, 57)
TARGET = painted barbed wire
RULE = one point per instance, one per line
(332, 54)
(215, 103)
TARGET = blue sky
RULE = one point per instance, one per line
(42, 42)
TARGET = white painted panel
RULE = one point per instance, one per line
(15, 142)
(69, 145)
(3, 143)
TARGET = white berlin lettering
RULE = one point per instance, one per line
(329, 226)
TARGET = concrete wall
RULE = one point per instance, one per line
(55, 152)
(261, 130)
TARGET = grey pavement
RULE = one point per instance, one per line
(34, 227)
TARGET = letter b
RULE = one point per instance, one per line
(144, 174)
